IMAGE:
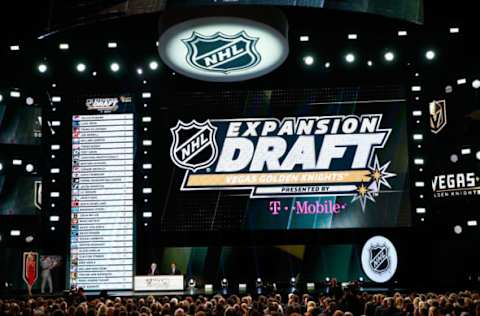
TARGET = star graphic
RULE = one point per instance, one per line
(364, 193)
(380, 175)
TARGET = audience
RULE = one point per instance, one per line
(340, 302)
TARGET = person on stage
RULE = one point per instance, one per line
(47, 263)
(153, 269)
(174, 270)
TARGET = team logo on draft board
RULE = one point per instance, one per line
(379, 259)
(194, 145)
(295, 156)
(438, 115)
(222, 53)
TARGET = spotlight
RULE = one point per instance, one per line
(192, 283)
(476, 155)
(475, 85)
(457, 229)
(293, 281)
(308, 60)
(327, 64)
(258, 282)
(63, 46)
(81, 67)
(453, 158)
(327, 279)
(153, 65)
(360, 279)
(52, 228)
(472, 223)
(115, 67)
(42, 68)
(430, 55)
(29, 167)
(389, 56)
(15, 232)
(1, 165)
(139, 71)
(29, 101)
(369, 63)
(1, 98)
(304, 38)
(350, 58)
(224, 283)
(28, 239)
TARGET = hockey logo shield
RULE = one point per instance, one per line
(222, 53)
(438, 115)
(194, 146)
(379, 259)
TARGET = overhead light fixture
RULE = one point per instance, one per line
(457, 229)
(454, 30)
(15, 47)
(350, 58)
(389, 56)
(64, 46)
(352, 36)
(42, 68)
(476, 84)
(369, 63)
(421, 210)
(304, 38)
(112, 45)
(115, 67)
(472, 223)
(402, 33)
(308, 60)
(430, 55)
(81, 67)
(15, 232)
(153, 65)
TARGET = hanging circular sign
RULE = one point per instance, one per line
(379, 259)
(223, 48)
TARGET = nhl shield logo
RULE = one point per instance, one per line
(438, 115)
(222, 53)
(379, 258)
(194, 146)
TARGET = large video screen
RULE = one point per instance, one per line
(410, 10)
(20, 152)
(282, 160)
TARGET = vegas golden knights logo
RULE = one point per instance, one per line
(438, 115)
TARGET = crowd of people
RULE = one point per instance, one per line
(336, 303)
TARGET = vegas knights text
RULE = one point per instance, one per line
(306, 143)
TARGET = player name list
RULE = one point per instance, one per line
(102, 201)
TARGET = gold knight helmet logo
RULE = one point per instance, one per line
(438, 115)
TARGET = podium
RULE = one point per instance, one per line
(158, 283)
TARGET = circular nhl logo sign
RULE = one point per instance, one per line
(379, 259)
(223, 49)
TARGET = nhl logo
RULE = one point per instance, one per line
(194, 146)
(379, 259)
(222, 53)
(438, 115)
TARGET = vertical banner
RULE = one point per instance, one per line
(30, 269)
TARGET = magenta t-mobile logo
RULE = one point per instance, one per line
(306, 207)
